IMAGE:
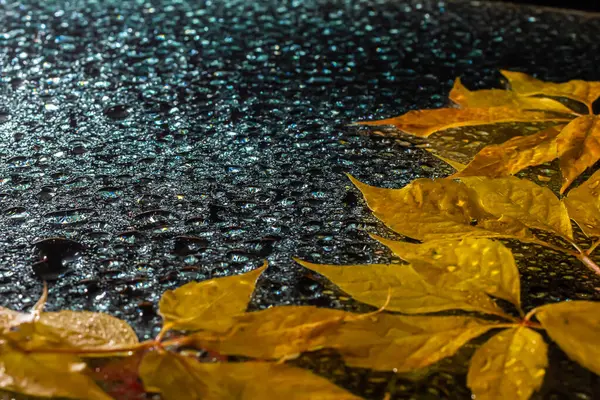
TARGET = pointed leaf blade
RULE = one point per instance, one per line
(511, 365)
(578, 145)
(583, 205)
(471, 264)
(437, 209)
(574, 326)
(209, 304)
(177, 377)
(423, 123)
(407, 291)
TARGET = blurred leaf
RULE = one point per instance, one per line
(502, 98)
(46, 375)
(282, 331)
(178, 377)
(401, 288)
(511, 365)
(578, 146)
(583, 204)
(423, 123)
(210, 304)
(578, 90)
(437, 209)
(534, 206)
(471, 264)
(574, 326)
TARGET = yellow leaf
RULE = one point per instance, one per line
(400, 343)
(423, 123)
(582, 91)
(583, 204)
(511, 365)
(178, 377)
(535, 206)
(454, 164)
(400, 288)
(46, 375)
(210, 304)
(574, 326)
(514, 155)
(469, 264)
(578, 146)
(502, 98)
(437, 209)
(68, 329)
(283, 331)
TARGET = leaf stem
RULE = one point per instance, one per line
(592, 247)
(588, 262)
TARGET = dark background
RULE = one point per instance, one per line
(587, 5)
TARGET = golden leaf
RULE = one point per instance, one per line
(582, 91)
(437, 209)
(574, 326)
(423, 123)
(401, 343)
(502, 98)
(400, 288)
(578, 145)
(469, 264)
(283, 331)
(511, 365)
(210, 304)
(69, 329)
(454, 164)
(514, 155)
(46, 375)
(535, 206)
(178, 377)
(583, 204)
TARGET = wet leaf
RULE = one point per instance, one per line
(283, 332)
(177, 377)
(502, 98)
(210, 304)
(515, 154)
(574, 326)
(582, 91)
(471, 264)
(583, 204)
(402, 343)
(68, 329)
(535, 206)
(423, 123)
(400, 288)
(437, 209)
(46, 375)
(454, 164)
(511, 365)
(578, 145)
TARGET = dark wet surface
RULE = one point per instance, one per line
(145, 145)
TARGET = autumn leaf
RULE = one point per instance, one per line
(423, 123)
(403, 343)
(502, 98)
(178, 377)
(401, 288)
(210, 304)
(471, 264)
(283, 332)
(583, 204)
(578, 145)
(574, 326)
(534, 206)
(511, 365)
(437, 209)
(46, 375)
(70, 329)
(515, 154)
(578, 90)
